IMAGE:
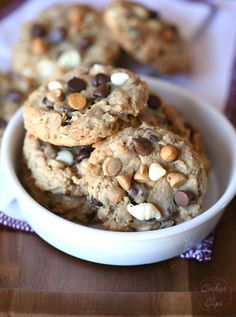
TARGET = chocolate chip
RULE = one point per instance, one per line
(76, 84)
(142, 146)
(182, 198)
(67, 120)
(55, 36)
(95, 202)
(100, 79)
(14, 96)
(154, 138)
(3, 123)
(85, 42)
(38, 30)
(137, 194)
(102, 91)
(153, 14)
(84, 152)
(154, 102)
(47, 103)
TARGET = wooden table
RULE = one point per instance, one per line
(36, 279)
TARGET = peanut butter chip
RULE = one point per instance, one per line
(124, 180)
(38, 46)
(111, 166)
(76, 101)
(168, 153)
(176, 179)
(56, 95)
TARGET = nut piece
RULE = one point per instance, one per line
(142, 175)
(54, 84)
(169, 153)
(111, 166)
(156, 171)
(76, 101)
(69, 59)
(56, 95)
(119, 78)
(144, 211)
(65, 157)
(38, 46)
(124, 180)
(176, 179)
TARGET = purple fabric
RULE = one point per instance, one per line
(201, 253)
(15, 224)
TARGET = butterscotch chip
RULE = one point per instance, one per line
(76, 101)
(169, 153)
(39, 46)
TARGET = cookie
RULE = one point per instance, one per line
(73, 208)
(13, 91)
(61, 38)
(59, 170)
(159, 113)
(145, 178)
(147, 37)
(84, 106)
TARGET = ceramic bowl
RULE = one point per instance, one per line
(135, 248)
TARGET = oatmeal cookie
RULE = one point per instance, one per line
(13, 91)
(145, 178)
(61, 38)
(57, 169)
(147, 37)
(85, 105)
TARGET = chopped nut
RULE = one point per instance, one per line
(176, 179)
(39, 46)
(142, 175)
(169, 153)
(124, 180)
(111, 166)
(56, 95)
(144, 211)
(76, 101)
(156, 171)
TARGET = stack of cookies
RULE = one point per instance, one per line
(67, 36)
(101, 148)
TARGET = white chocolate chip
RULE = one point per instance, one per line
(156, 171)
(54, 84)
(45, 68)
(119, 78)
(65, 157)
(144, 211)
(96, 68)
(69, 59)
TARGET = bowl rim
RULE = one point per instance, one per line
(227, 196)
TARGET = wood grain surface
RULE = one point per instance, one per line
(38, 280)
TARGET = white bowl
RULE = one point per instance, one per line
(134, 248)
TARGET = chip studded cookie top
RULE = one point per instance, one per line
(85, 106)
(146, 36)
(61, 38)
(145, 178)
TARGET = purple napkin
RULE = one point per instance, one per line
(201, 253)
